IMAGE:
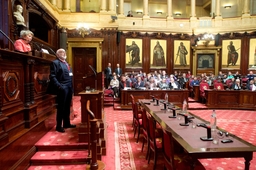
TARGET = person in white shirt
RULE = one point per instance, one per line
(114, 84)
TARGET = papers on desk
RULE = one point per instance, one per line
(127, 88)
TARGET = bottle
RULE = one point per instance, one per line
(213, 121)
(184, 106)
(166, 97)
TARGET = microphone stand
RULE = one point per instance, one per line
(7, 37)
(209, 132)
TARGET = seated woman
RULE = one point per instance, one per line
(114, 84)
(174, 84)
(22, 44)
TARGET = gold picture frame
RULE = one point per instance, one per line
(158, 53)
(231, 54)
(133, 55)
(181, 54)
(252, 54)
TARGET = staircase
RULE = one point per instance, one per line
(60, 151)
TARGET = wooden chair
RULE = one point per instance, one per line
(155, 143)
(203, 86)
(137, 118)
(144, 128)
(174, 161)
(218, 86)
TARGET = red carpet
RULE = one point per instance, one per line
(124, 153)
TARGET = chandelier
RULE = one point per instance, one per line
(207, 38)
(83, 30)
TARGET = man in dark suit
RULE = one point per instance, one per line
(61, 76)
(108, 74)
(118, 71)
(139, 83)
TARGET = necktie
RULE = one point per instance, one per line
(67, 65)
(124, 84)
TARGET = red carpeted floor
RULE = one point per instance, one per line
(122, 150)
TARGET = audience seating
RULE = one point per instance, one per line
(172, 160)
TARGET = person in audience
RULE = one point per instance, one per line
(237, 75)
(114, 85)
(139, 83)
(108, 74)
(163, 84)
(209, 81)
(158, 79)
(250, 76)
(183, 80)
(174, 84)
(129, 14)
(151, 83)
(251, 86)
(194, 82)
(22, 44)
(188, 75)
(229, 77)
(164, 75)
(61, 76)
(236, 85)
(118, 71)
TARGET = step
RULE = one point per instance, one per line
(58, 167)
(59, 158)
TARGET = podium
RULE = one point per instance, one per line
(96, 100)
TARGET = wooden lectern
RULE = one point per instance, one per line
(97, 107)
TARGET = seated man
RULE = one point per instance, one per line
(114, 85)
(139, 83)
(236, 85)
(151, 83)
(174, 84)
(251, 86)
(163, 84)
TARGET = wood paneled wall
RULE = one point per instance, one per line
(114, 49)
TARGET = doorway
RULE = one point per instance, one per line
(82, 58)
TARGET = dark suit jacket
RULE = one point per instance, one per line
(142, 84)
(108, 74)
(59, 77)
(178, 85)
(118, 73)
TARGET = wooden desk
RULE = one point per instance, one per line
(174, 96)
(231, 99)
(189, 138)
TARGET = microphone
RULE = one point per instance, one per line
(209, 132)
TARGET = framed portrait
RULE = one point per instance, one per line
(133, 55)
(231, 54)
(181, 54)
(252, 53)
(158, 53)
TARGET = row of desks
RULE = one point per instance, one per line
(189, 138)
(174, 96)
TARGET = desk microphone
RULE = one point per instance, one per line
(153, 98)
(209, 132)
(173, 112)
(186, 120)
(157, 102)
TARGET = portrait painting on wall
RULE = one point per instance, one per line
(231, 53)
(252, 53)
(133, 56)
(158, 53)
(181, 53)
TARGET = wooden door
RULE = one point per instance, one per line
(82, 58)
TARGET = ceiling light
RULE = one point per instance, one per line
(178, 14)
(227, 6)
(159, 12)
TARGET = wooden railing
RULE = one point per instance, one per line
(92, 144)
